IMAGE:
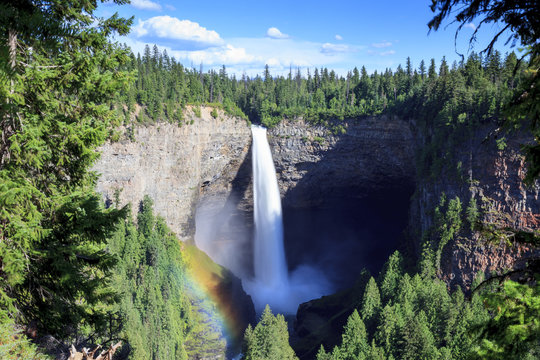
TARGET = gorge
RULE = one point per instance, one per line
(329, 183)
(211, 204)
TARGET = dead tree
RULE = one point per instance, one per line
(86, 354)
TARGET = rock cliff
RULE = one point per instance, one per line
(314, 164)
(492, 176)
(206, 165)
(174, 165)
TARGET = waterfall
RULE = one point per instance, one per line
(269, 255)
(272, 284)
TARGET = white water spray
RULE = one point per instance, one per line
(269, 255)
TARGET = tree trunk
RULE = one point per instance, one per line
(8, 120)
(12, 45)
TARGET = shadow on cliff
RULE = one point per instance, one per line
(350, 209)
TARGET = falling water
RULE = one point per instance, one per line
(269, 255)
(272, 284)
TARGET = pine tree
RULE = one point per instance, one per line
(56, 86)
(323, 355)
(269, 339)
(371, 304)
(354, 343)
(422, 69)
(390, 276)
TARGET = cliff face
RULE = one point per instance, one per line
(201, 174)
(173, 165)
(493, 178)
(313, 164)
(207, 166)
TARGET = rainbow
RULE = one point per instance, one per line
(210, 281)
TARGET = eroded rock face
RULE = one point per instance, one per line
(207, 166)
(174, 165)
(493, 178)
(313, 164)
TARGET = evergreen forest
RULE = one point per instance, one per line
(83, 272)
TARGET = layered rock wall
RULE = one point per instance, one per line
(207, 166)
(174, 164)
(314, 164)
(480, 170)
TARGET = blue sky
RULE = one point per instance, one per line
(246, 35)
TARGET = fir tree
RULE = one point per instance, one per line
(269, 339)
(55, 89)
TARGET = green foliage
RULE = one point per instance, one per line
(163, 313)
(501, 143)
(354, 344)
(418, 319)
(448, 222)
(513, 330)
(371, 303)
(268, 340)
(323, 355)
(214, 113)
(197, 111)
(55, 91)
(391, 275)
(472, 214)
(150, 276)
(14, 345)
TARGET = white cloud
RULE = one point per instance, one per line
(470, 26)
(249, 55)
(145, 5)
(284, 54)
(386, 53)
(274, 33)
(381, 53)
(328, 48)
(179, 34)
(273, 62)
(227, 54)
(169, 7)
(383, 44)
(338, 37)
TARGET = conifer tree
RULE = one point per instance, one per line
(55, 88)
(269, 340)
(390, 276)
(371, 304)
(354, 343)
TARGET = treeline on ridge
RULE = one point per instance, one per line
(478, 84)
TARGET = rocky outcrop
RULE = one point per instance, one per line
(480, 170)
(174, 165)
(314, 164)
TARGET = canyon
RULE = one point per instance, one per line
(361, 182)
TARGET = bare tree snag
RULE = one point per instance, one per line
(86, 354)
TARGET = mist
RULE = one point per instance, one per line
(224, 233)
